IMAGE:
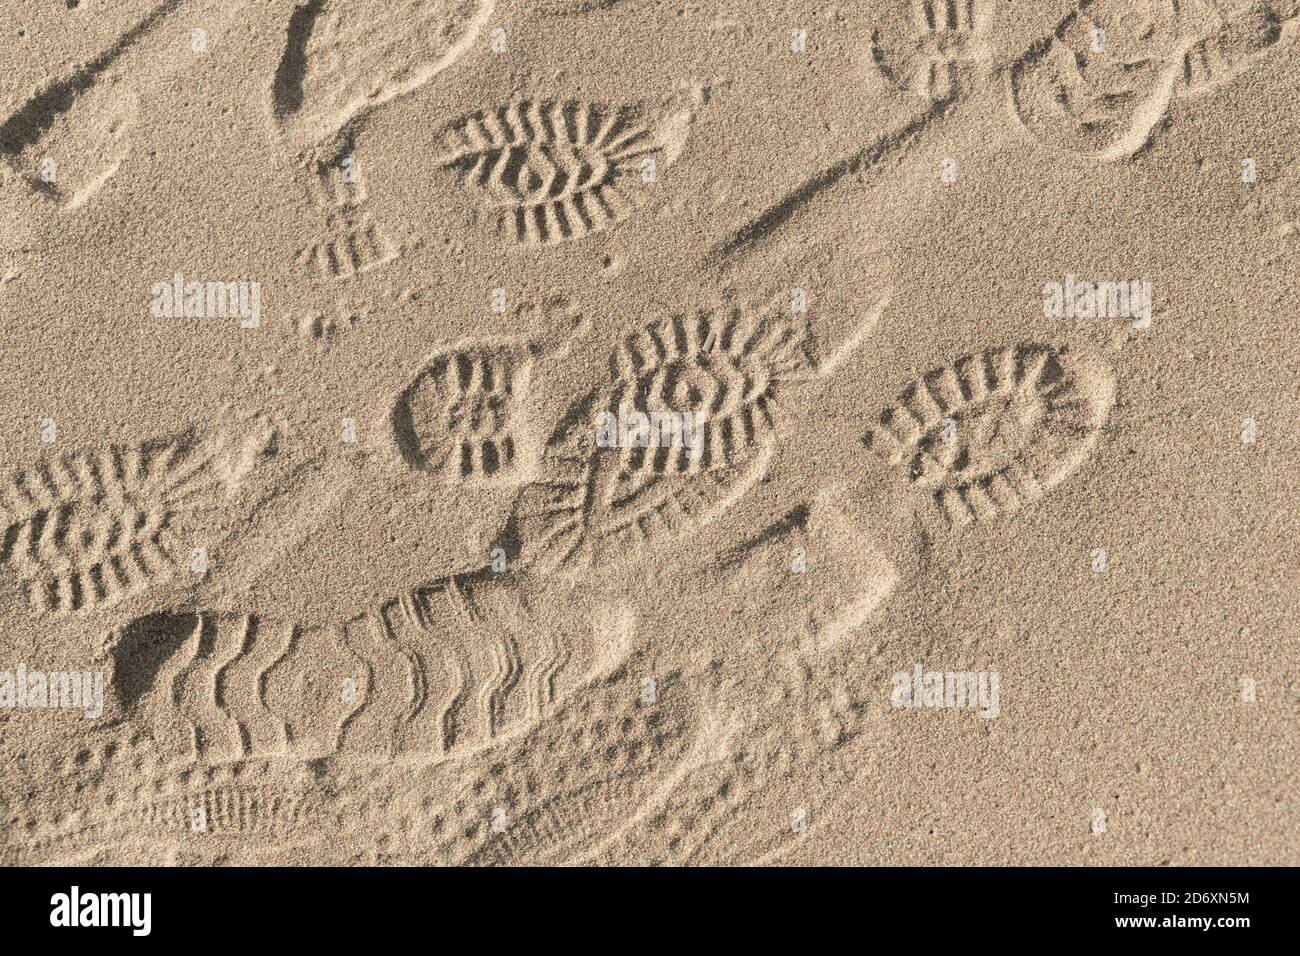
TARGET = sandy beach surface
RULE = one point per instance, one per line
(631, 432)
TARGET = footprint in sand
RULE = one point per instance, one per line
(813, 579)
(258, 808)
(1104, 80)
(934, 48)
(728, 369)
(226, 719)
(463, 419)
(562, 791)
(352, 242)
(1097, 86)
(442, 671)
(1236, 34)
(82, 149)
(555, 172)
(985, 436)
(577, 757)
(574, 758)
(88, 529)
(341, 62)
(68, 140)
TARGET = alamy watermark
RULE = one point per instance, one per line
(631, 428)
(130, 910)
(179, 299)
(1077, 298)
(52, 690)
(970, 690)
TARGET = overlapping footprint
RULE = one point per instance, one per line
(728, 369)
(678, 763)
(1106, 77)
(806, 712)
(340, 63)
(211, 690)
(979, 440)
(538, 742)
(438, 673)
(237, 724)
(1097, 86)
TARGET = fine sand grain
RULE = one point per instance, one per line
(623, 432)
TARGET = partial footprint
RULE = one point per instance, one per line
(558, 171)
(1101, 84)
(457, 419)
(934, 47)
(994, 431)
(345, 58)
(1231, 41)
(342, 60)
(810, 743)
(351, 242)
(816, 563)
(463, 417)
(580, 777)
(805, 714)
(726, 370)
(68, 140)
(564, 8)
(221, 688)
(88, 529)
(151, 812)
(83, 147)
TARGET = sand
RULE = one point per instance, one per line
(598, 432)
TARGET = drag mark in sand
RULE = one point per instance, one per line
(69, 139)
